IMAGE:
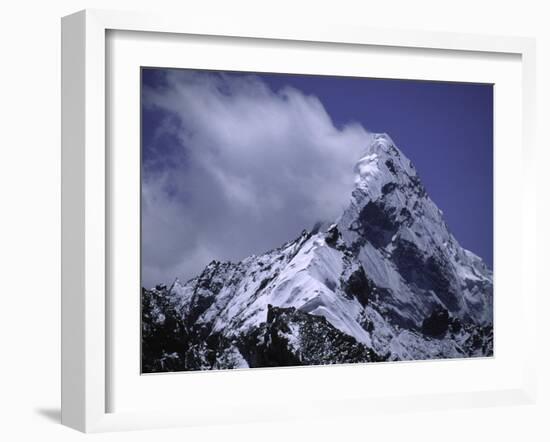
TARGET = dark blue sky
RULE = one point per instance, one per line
(446, 129)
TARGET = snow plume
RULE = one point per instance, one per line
(235, 168)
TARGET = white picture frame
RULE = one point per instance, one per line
(86, 202)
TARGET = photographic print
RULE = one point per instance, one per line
(291, 220)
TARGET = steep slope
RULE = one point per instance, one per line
(387, 281)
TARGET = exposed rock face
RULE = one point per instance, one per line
(387, 281)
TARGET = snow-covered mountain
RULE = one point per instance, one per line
(386, 281)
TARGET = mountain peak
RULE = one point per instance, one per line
(382, 167)
(392, 219)
(386, 281)
(381, 142)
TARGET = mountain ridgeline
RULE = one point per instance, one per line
(386, 282)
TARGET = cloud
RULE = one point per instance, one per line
(235, 168)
